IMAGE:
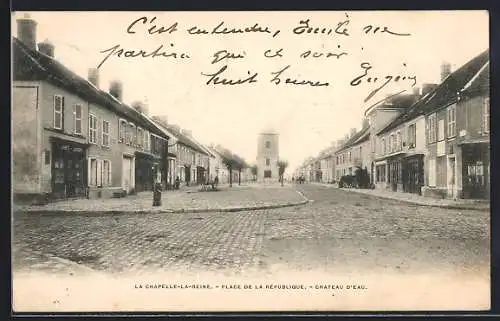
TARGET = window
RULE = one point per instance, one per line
(350, 156)
(383, 146)
(394, 143)
(140, 138)
(77, 119)
(451, 121)
(441, 130)
(146, 138)
(93, 172)
(267, 174)
(122, 131)
(268, 161)
(432, 172)
(380, 173)
(132, 134)
(105, 133)
(412, 136)
(268, 144)
(58, 112)
(431, 128)
(400, 141)
(92, 129)
(486, 115)
(106, 173)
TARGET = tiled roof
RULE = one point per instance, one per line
(361, 136)
(31, 65)
(445, 93)
(480, 84)
(185, 139)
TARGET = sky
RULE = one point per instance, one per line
(307, 118)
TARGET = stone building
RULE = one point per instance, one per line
(268, 155)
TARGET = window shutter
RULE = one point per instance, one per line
(99, 172)
(110, 175)
(62, 112)
(89, 171)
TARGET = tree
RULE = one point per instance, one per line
(254, 171)
(282, 165)
(229, 162)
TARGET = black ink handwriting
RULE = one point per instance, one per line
(315, 54)
(304, 27)
(224, 54)
(255, 28)
(268, 53)
(370, 28)
(154, 28)
(366, 66)
(216, 80)
(277, 80)
(158, 52)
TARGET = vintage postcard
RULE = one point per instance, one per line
(251, 161)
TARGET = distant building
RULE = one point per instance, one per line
(267, 155)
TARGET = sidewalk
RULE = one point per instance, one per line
(466, 204)
(236, 198)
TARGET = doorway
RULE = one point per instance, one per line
(127, 174)
(68, 171)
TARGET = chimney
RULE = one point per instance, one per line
(47, 48)
(26, 31)
(416, 91)
(340, 142)
(141, 107)
(116, 90)
(427, 88)
(93, 76)
(353, 132)
(445, 70)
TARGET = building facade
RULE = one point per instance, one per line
(458, 134)
(71, 139)
(268, 156)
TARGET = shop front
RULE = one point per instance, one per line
(413, 174)
(144, 171)
(476, 170)
(68, 169)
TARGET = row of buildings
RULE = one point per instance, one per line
(432, 142)
(72, 139)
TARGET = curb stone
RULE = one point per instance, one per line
(160, 211)
(448, 206)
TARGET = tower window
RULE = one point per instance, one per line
(268, 144)
(268, 161)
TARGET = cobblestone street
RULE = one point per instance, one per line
(337, 231)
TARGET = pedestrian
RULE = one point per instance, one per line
(177, 182)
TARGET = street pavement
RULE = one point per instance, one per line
(337, 231)
(192, 199)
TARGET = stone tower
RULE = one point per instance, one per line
(267, 155)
